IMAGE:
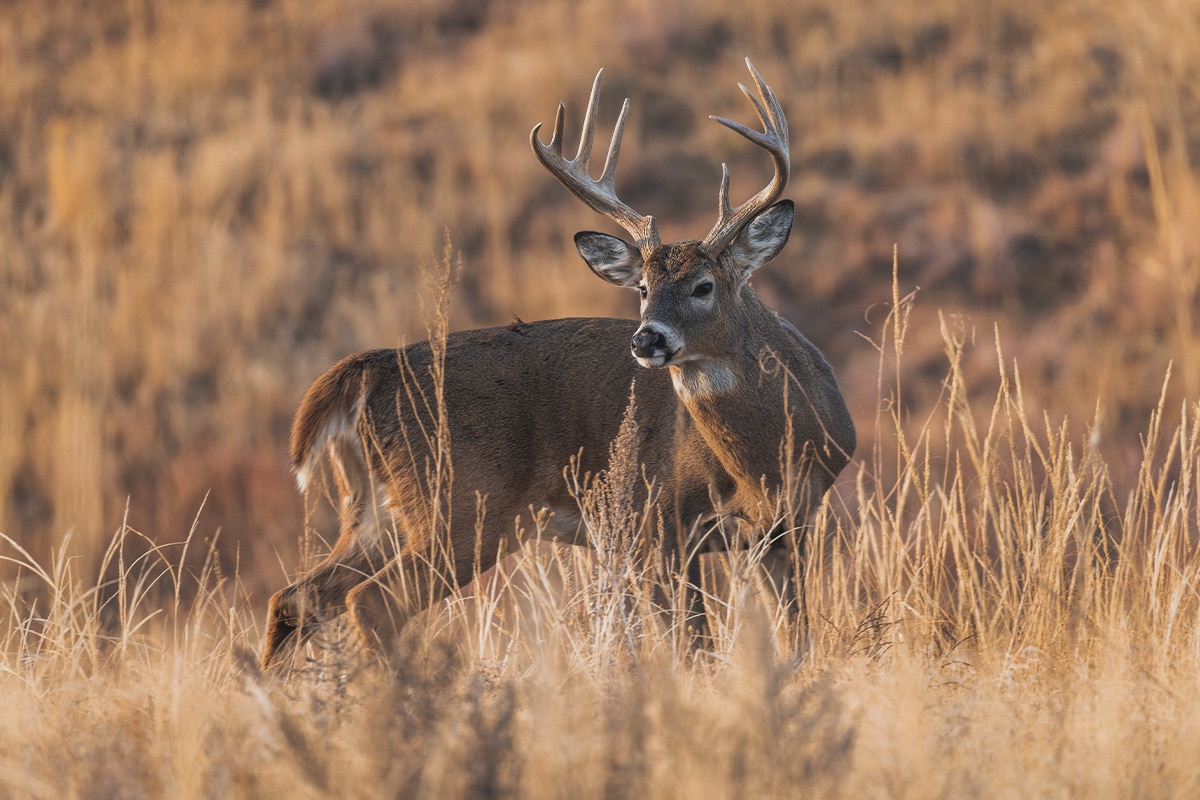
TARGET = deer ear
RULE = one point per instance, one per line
(763, 238)
(615, 260)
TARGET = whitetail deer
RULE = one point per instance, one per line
(737, 413)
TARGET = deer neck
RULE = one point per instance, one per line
(742, 409)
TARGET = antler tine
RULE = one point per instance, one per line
(601, 194)
(556, 138)
(609, 175)
(774, 139)
(583, 155)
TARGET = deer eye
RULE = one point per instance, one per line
(703, 290)
(642, 291)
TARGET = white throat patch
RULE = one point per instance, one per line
(697, 379)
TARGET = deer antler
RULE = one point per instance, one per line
(774, 139)
(601, 194)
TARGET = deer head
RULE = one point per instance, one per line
(694, 294)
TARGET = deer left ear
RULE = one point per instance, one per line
(763, 238)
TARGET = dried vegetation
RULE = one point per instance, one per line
(203, 205)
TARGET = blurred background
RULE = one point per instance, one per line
(205, 203)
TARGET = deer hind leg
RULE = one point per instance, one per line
(297, 611)
(380, 606)
(424, 573)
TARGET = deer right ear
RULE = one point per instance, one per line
(614, 259)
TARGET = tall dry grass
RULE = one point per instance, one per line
(996, 621)
(203, 206)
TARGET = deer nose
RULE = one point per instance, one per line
(648, 342)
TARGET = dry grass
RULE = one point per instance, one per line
(204, 205)
(997, 622)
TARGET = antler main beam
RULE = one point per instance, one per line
(600, 195)
(774, 139)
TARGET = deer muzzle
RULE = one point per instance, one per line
(652, 347)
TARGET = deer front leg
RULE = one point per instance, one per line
(697, 614)
(683, 603)
(781, 578)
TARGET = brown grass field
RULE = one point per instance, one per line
(205, 204)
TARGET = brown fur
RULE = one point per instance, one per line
(746, 419)
(520, 405)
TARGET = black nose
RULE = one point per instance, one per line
(645, 342)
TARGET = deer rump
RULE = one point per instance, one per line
(520, 403)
